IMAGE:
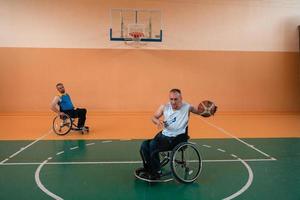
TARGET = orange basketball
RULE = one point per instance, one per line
(207, 108)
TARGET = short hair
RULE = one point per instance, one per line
(58, 84)
(175, 90)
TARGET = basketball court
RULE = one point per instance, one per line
(119, 60)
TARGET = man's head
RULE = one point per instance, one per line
(60, 87)
(175, 98)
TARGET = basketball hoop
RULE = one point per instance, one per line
(136, 36)
(134, 39)
(135, 33)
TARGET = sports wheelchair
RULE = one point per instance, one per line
(63, 124)
(185, 164)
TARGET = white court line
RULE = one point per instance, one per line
(129, 162)
(3, 161)
(233, 155)
(60, 152)
(107, 141)
(248, 160)
(227, 133)
(89, 144)
(72, 148)
(37, 175)
(206, 146)
(27, 146)
(40, 185)
(247, 185)
(222, 150)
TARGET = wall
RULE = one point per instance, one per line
(138, 80)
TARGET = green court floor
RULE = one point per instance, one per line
(98, 169)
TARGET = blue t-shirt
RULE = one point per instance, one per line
(65, 102)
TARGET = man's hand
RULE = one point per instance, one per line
(61, 114)
(196, 110)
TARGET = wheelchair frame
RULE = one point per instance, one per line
(64, 121)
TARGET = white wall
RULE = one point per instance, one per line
(242, 25)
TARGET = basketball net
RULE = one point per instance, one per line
(136, 36)
(135, 39)
(135, 33)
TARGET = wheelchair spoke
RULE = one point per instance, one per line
(186, 173)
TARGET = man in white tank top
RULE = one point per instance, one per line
(174, 131)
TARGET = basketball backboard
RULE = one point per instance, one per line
(127, 21)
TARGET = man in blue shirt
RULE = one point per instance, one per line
(62, 103)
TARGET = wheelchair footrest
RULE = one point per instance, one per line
(81, 130)
(163, 179)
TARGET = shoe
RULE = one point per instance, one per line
(155, 176)
(140, 170)
(144, 175)
(84, 128)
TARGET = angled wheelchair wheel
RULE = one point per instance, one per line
(186, 163)
(62, 124)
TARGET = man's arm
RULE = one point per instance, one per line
(195, 110)
(156, 116)
(54, 104)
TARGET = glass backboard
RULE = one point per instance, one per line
(126, 21)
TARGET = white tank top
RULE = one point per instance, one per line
(175, 121)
